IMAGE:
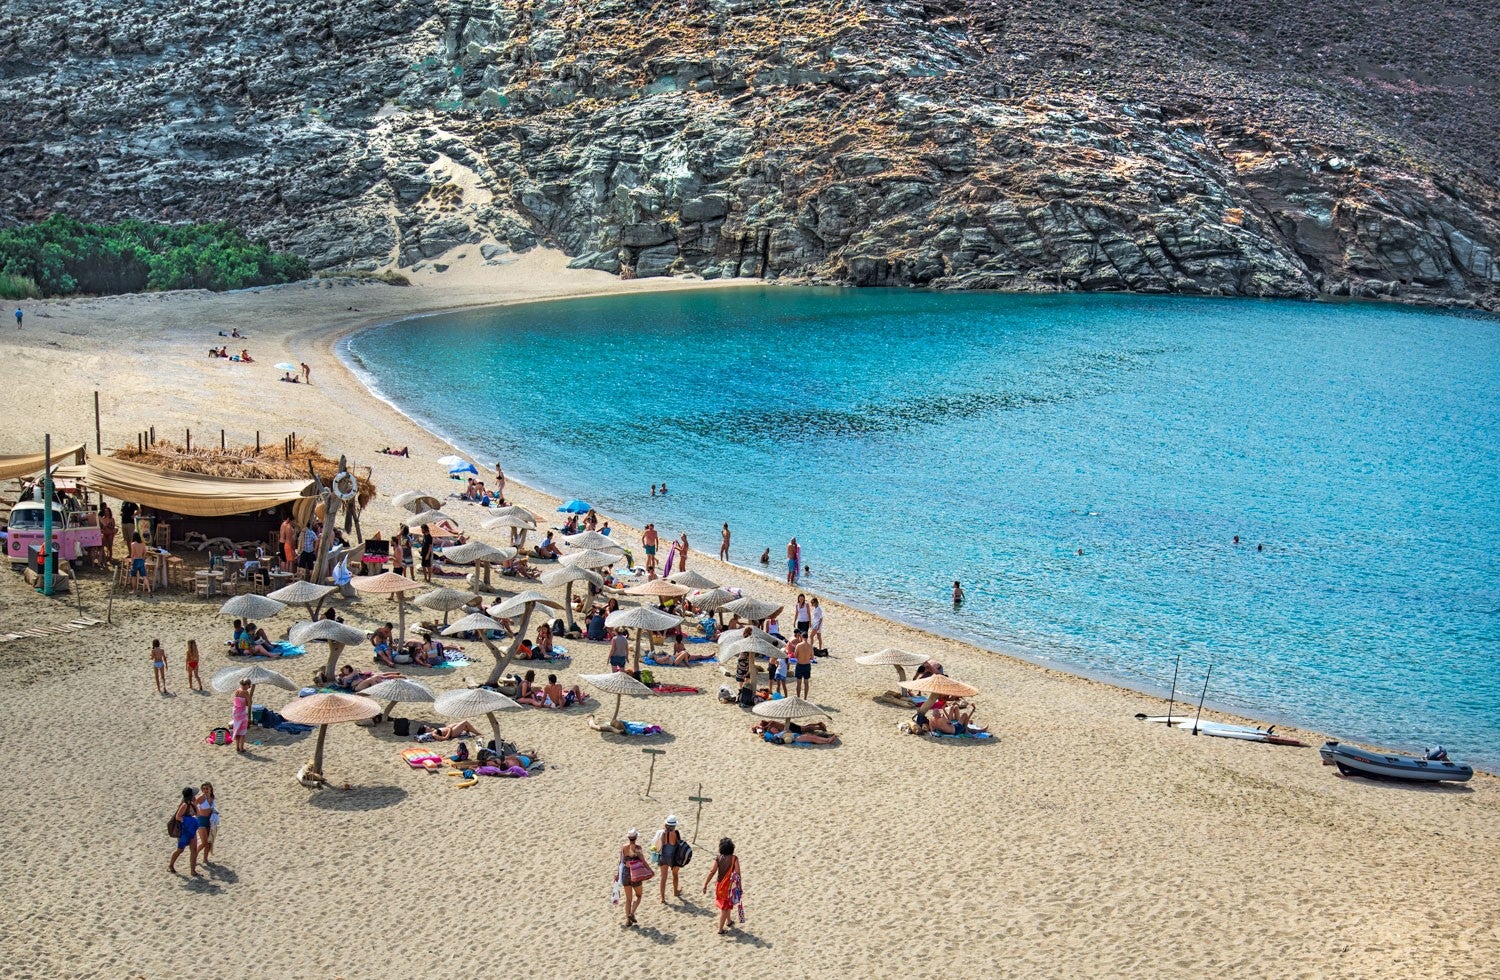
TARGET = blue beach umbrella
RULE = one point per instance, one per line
(463, 468)
(575, 506)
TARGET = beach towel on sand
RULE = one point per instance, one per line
(675, 689)
(694, 662)
(965, 735)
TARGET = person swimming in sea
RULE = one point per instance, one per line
(958, 594)
(765, 557)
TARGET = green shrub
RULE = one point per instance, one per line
(62, 256)
(18, 287)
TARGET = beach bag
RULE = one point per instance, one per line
(401, 726)
(747, 697)
(174, 827)
(646, 678)
(683, 856)
(219, 736)
(639, 871)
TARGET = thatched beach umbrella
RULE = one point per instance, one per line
(659, 587)
(620, 685)
(483, 625)
(416, 501)
(390, 584)
(328, 709)
(566, 575)
(521, 604)
(739, 632)
(252, 606)
(471, 702)
(642, 619)
(939, 685)
(335, 634)
(692, 580)
(444, 601)
(736, 645)
(589, 558)
(477, 553)
(304, 593)
(892, 657)
(399, 689)
(229, 678)
(752, 609)
(519, 525)
(591, 540)
(787, 709)
(430, 516)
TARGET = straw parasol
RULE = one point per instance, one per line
(251, 606)
(892, 657)
(692, 580)
(229, 678)
(391, 584)
(429, 516)
(756, 645)
(416, 500)
(642, 619)
(711, 599)
(659, 587)
(328, 709)
(444, 601)
(522, 604)
(471, 702)
(396, 689)
(620, 684)
(483, 625)
(566, 575)
(304, 593)
(787, 709)
(328, 631)
(519, 524)
(738, 633)
(477, 553)
(589, 558)
(939, 685)
(591, 540)
(755, 610)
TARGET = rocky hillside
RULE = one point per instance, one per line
(1258, 147)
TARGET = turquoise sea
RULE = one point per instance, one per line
(912, 438)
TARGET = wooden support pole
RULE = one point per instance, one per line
(222, 444)
(257, 442)
(187, 440)
(153, 435)
(98, 432)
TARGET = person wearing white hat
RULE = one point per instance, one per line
(668, 846)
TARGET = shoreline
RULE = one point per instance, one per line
(337, 349)
(1087, 843)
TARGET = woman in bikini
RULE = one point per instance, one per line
(159, 666)
(187, 835)
(208, 820)
(192, 666)
(726, 891)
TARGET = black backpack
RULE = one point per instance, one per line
(401, 726)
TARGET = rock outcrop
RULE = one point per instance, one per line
(1250, 148)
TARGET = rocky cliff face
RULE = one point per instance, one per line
(1253, 147)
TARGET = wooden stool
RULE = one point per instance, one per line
(163, 535)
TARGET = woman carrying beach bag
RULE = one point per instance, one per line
(729, 890)
(634, 871)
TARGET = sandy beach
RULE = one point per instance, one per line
(1079, 843)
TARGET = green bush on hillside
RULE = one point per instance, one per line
(62, 256)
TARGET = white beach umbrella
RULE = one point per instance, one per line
(658, 587)
(692, 580)
(566, 575)
(642, 619)
(444, 601)
(591, 540)
(303, 593)
(399, 689)
(335, 634)
(892, 657)
(430, 517)
(522, 604)
(755, 610)
(733, 635)
(416, 500)
(757, 646)
(511, 521)
(787, 709)
(229, 678)
(476, 551)
(252, 606)
(451, 460)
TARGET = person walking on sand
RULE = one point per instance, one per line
(802, 616)
(728, 886)
(803, 655)
(649, 541)
(815, 631)
(668, 847)
(240, 722)
(192, 667)
(18, 318)
(724, 543)
(306, 373)
(499, 484)
(682, 546)
(159, 666)
(793, 561)
(186, 822)
(958, 594)
(208, 820)
(630, 852)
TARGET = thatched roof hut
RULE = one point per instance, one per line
(243, 462)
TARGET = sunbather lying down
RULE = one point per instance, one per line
(950, 722)
(445, 733)
(790, 732)
(619, 727)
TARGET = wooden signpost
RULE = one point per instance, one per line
(700, 799)
(651, 776)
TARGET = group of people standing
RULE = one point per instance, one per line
(670, 852)
(195, 825)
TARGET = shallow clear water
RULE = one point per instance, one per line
(909, 439)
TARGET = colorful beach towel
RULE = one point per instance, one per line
(692, 662)
(965, 735)
(422, 759)
(452, 661)
(675, 689)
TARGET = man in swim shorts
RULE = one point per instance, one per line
(649, 540)
(802, 654)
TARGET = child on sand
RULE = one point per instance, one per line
(159, 666)
(192, 666)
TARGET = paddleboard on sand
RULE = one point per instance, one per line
(1219, 729)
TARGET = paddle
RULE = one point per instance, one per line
(1201, 697)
